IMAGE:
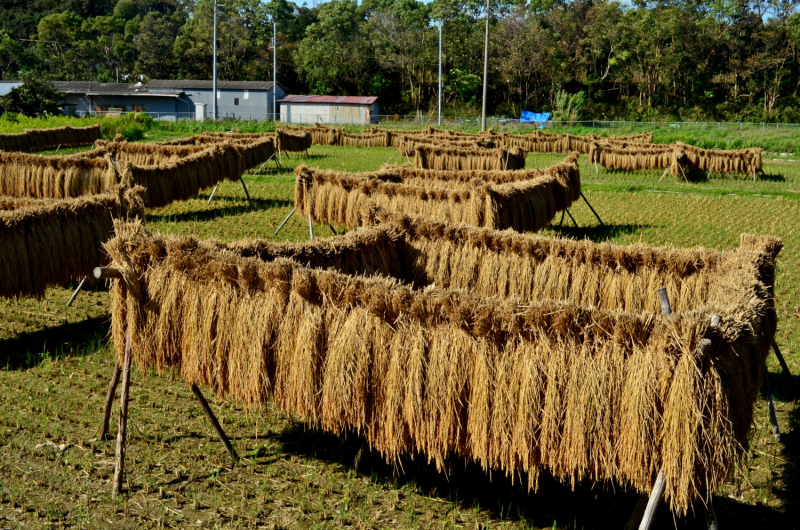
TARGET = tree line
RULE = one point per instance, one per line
(667, 59)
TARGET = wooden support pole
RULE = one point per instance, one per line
(310, 227)
(561, 222)
(213, 419)
(112, 390)
(122, 428)
(247, 193)
(285, 221)
(333, 230)
(75, 294)
(785, 369)
(107, 273)
(638, 513)
(776, 432)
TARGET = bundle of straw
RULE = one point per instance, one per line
(147, 154)
(523, 200)
(293, 139)
(409, 145)
(52, 241)
(747, 161)
(37, 176)
(186, 177)
(639, 157)
(608, 390)
(456, 158)
(44, 139)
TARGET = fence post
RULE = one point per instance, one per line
(740, 127)
(719, 126)
(762, 126)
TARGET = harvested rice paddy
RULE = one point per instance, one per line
(56, 364)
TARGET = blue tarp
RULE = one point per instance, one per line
(534, 117)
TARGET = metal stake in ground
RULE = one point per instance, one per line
(285, 220)
(213, 419)
(592, 209)
(776, 432)
(310, 227)
(570, 216)
(785, 369)
(212, 193)
(75, 294)
(247, 193)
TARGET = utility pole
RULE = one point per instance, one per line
(274, 68)
(440, 73)
(485, 68)
(214, 96)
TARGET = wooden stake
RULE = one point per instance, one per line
(112, 390)
(107, 273)
(213, 419)
(333, 230)
(638, 513)
(122, 428)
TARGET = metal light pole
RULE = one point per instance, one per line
(485, 68)
(440, 74)
(214, 96)
(274, 68)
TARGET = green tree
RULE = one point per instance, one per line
(35, 97)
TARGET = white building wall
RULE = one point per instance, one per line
(326, 114)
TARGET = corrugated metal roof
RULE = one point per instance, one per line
(109, 89)
(342, 100)
(183, 84)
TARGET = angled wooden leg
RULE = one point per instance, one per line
(122, 429)
(638, 513)
(213, 419)
(247, 193)
(785, 369)
(285, 220)
(771, 407)
(112, 390)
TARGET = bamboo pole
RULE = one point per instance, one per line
(112, 390)
(247, 193)
(284, 221)
(77, 290)
(122, 428)
(310, 227)
(213, 419)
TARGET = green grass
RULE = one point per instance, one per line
(55, 365)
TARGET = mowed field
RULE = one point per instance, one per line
(55, 364)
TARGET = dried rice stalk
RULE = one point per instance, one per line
(575, 374)
(51, 241)
(747, 161)
(293, 139)
(44, 139)
(522, 200)
(456, 158)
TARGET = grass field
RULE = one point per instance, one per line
(55, 365)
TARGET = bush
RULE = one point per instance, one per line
(132, 133)
(125, 125)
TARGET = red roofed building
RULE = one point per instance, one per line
(329, 110)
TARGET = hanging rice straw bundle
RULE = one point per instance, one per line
(522, 200)
(639, 157)
(38, 176)
(293, 139)
(49, 242)
(577, 374)
(456, 158)
(44, 139)
(747, 161)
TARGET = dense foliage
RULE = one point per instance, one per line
(678, 59)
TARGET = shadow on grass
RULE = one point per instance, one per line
(595, 232)
(222, 210)
(54, 342)
(790, 493)
(768, 177)
(555, 503)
